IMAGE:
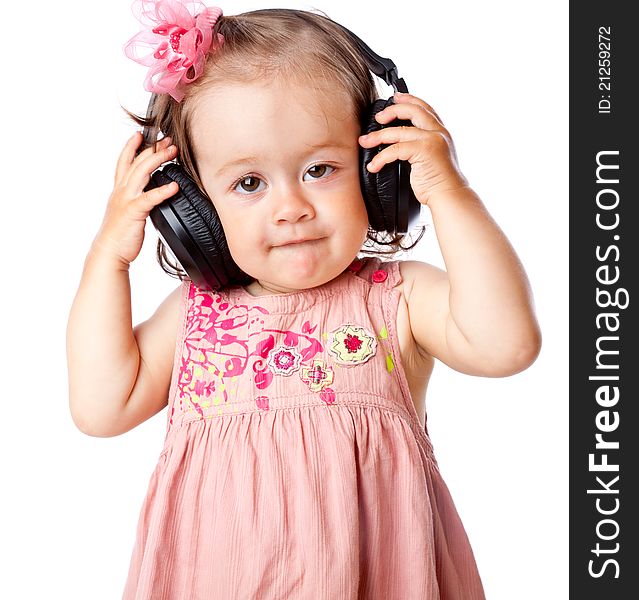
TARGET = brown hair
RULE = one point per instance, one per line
(264, 44)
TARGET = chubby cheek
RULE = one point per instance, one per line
(244, 239)
(359, 226)
(227, 225)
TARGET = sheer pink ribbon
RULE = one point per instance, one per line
(174, 42)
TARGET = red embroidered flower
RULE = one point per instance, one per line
(352, 343)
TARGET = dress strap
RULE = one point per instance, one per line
(377, 271)
(186, 292)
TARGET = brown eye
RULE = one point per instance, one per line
(253, 183)
(251, 187)
(318, 171)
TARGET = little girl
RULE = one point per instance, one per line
(297, 462)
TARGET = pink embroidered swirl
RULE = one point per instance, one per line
(174, 42)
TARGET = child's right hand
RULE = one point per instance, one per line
(122, 231)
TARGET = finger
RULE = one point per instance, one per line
(130, 156)
(127, 155)
(391, 135)
(415, 100)
(152, 198)
(141, 172)
(399, 151)
(149, 150)
(418, 115)
(397, 134)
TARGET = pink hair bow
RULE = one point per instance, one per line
(174, 43)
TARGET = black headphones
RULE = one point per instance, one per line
(189, 224)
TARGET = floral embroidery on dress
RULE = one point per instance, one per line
(318, 376)
(223, 340)
(284, 360)
(352, 344)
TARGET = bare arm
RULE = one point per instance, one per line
(119, 376)
(478, 317)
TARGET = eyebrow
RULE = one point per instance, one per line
(249, 159)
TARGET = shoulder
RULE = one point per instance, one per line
(157, 335)
(424, 288)
(413, 271)
(401, 274)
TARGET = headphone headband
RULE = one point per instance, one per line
(384, 68)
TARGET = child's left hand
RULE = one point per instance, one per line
(427, 146)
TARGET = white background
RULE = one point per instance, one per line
(495, 71)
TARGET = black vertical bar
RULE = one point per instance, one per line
(604, 274)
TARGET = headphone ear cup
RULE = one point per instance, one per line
(380, 189)
(190, 226)
(390, 201)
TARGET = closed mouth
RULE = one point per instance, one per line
(296, 242)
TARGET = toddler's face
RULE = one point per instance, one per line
(281, 165)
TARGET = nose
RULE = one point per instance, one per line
(291, 205)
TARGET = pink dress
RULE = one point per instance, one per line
(294, 465)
